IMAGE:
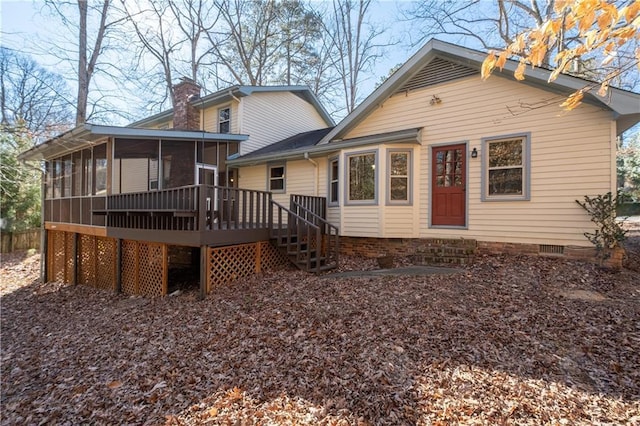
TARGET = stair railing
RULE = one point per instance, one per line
(304, 232)
(331, 250)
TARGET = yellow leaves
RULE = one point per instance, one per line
(502, 60)
(604, 87)
(487, 65)
(586, 21)
(601, 26)
(519, 72)
(561, 5)
(538, 54)
(573, 100)
(630, 13)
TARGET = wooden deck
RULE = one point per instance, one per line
(195, 215)
(209, 216)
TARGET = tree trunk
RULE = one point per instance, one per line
(83, 78)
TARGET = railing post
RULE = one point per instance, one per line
(202, 208)
(270, 210)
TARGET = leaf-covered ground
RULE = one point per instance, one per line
(507, 340)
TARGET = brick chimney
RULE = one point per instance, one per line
(185, 115)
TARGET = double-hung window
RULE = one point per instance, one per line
(333, 182)
(506, 168)
(361, 178)
(276, 178)
(399, 177)
(224, 120)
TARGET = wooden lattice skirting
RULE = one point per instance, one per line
(226, 264)
(144, 268)
(143, 265)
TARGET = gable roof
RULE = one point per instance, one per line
(438, 61)
(236, 92)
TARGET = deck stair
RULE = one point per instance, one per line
(309, 241)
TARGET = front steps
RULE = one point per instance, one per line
(303, 256)
(444, 251)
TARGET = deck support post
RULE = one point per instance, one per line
(203, 272)
(118, 265)
(74, 251)
(44, 255)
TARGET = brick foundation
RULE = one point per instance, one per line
(460, 251)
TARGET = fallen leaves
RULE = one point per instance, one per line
(495, 344)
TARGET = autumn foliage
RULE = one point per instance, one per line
(594, 26)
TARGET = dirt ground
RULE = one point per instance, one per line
(507, 340)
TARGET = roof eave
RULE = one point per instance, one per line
(88, 135)
(402, 136)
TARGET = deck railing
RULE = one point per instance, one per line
(190, 208)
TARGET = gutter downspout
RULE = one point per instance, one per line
(316, 177)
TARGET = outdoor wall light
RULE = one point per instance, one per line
(474, 153)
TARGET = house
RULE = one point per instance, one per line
(435, 164)
(123, 205)
(438, 164)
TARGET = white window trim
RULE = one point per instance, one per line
(347, 200)
(409, 200)
(284, 178)
(330, 182)
(526, 164)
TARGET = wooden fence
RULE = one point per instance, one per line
(23, 240)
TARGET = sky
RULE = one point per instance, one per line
(22, 24)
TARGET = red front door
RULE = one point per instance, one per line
(448, 185)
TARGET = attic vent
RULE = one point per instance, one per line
(435, 72)
(550, 249)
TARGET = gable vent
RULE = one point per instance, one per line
(435, 72)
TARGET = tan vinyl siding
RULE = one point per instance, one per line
(264, 116)
(361, 221)
(571, 156)
(211, 117)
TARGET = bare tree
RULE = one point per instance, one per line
(493, 25)
(152, 24)
(489, 24)
(34, 104)
(355, 45)
(88, 39)
(196, 19)
(173, 33)
(32, 97)
(248, 51)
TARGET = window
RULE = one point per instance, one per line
(224, 120)
(276, 178)
(100, 170)
(77, 173)
(506, 168)
(67, 174)
(361, 185)
(86, 171)
(399, 180)
(333, 182)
